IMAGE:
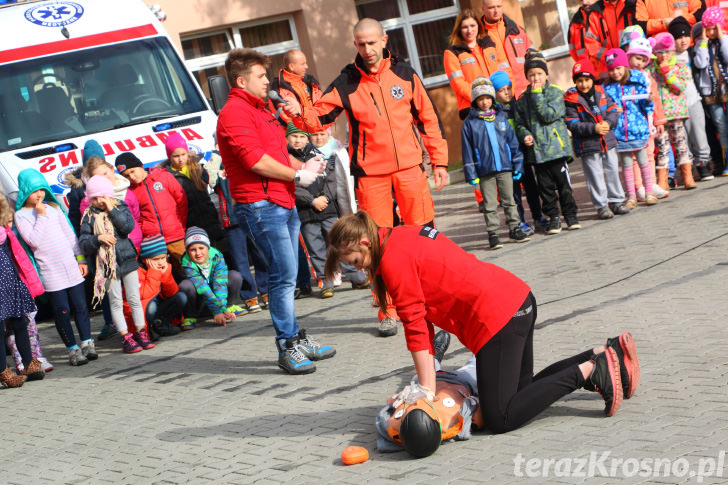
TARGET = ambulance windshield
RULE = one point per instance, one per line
(88, 91)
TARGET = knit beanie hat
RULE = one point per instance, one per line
(616, 58)
(482, 87)
(583, 68)
(126, 161)
(697, 30)
(662, 42)
(92, 149)
(712, 16)
(679, 27)
(629, 34)
(291, 129)
(500, 80)
(535, 59)
(152, 246)
(640, 47)
(196, 235)
(99, 186)
(173, 142)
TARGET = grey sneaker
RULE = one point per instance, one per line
(387, 327)
(76, 357)
(290, 358)
(312, 349)
(89, 351)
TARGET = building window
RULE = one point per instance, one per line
(547, 25)
(417, 30)
(205, 53)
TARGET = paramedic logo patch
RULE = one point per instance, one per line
(54, 14)
(397, 92)
(429, 232)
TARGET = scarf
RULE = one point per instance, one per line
(105, 257)
(486, 115)
(716, 60)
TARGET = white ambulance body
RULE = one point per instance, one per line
(71, 71)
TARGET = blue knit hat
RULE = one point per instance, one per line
(152, 246)
(92, 149)
(500, 79)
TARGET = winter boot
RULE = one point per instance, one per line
(662, 180)
(686, 169)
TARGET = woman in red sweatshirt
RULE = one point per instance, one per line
(492, 312)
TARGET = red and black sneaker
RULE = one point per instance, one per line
(142, 337)
(129, 345)
(606, 380)
(629, 364)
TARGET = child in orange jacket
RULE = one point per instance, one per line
(161, 299)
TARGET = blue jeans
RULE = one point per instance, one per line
(718, 116)
(274, 230)
(159, 308)
(62, 300)
(242, 255)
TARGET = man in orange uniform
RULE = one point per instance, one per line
(385, 102)
(511, 43)
(293, 80)
(607, 21)
(659, 13)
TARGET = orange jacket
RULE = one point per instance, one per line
(152, 282)
(585, 39)
(511, 44)
(722, 4)
(463, 65)
(607, 20)
(384, 109)
(654, 11)
(305, 89)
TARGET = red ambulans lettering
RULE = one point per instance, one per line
(108, 150)
(163, 136)
(191, 134)
(46, 164)
(68, 158)
(146, 141)
(124, 145)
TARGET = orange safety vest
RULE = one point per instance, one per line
(511, 43)
(463, 65)
(653, 11)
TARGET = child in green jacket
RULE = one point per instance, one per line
(541, 127)
(208, 284)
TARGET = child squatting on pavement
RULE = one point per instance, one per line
(493, 317)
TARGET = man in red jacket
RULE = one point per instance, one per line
(262, 179)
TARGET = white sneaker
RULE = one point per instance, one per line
(659, 192)
(641, 194)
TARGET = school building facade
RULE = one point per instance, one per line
(205, 30)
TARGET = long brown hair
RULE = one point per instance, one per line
(344, 238)
(195, 171)
(456, 37)
(5, 214)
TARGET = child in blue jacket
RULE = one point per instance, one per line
(629, 90)
(492, 158)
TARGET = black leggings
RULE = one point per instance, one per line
(510, 395)
(20, 328)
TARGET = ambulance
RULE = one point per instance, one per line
(71, 71)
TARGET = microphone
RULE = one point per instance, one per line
(276, 97)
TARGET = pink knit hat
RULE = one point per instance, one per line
(713, 16)
(616, 58)
(640, 47)
(662, 42)
(99, 186)
(173, 142)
